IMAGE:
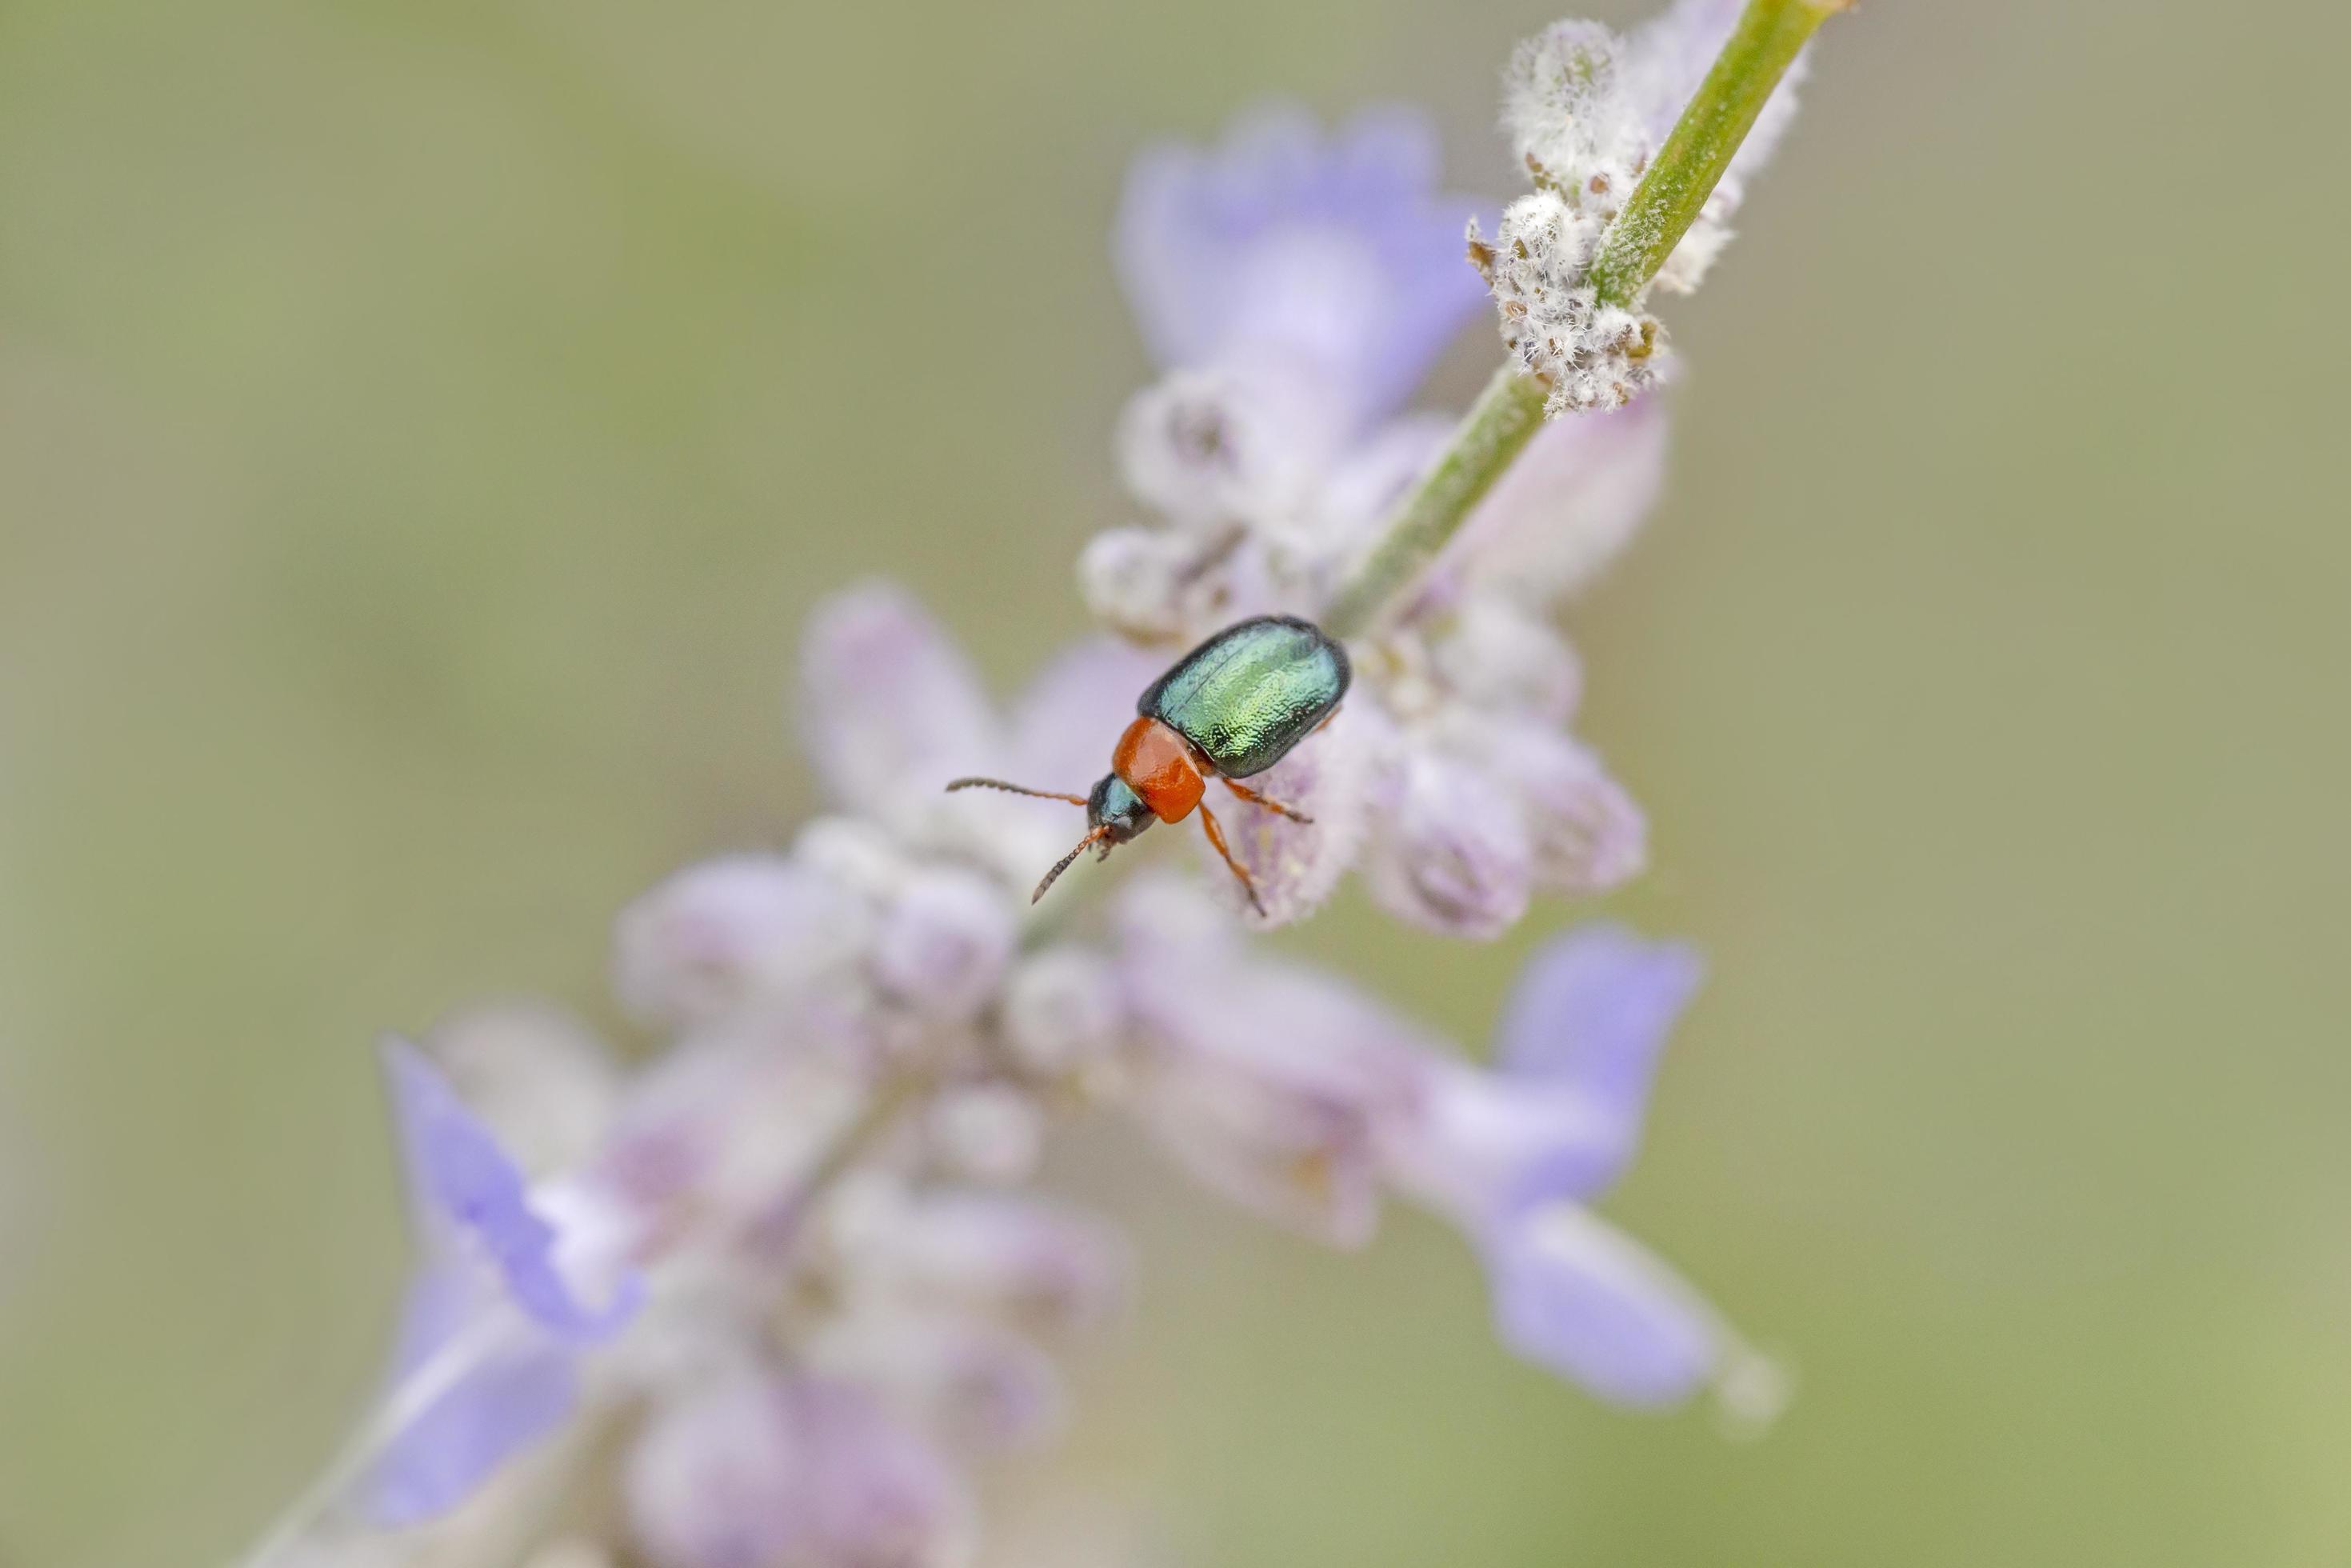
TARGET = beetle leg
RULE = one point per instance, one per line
(1254, 799)
(1216, 837)
(1325, 723)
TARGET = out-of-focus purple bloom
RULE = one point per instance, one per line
(710, 1481)
(1593, 1009)
(1336, 259)
(486, 1255)
(763, 1469)
(744, 932)
(971, 1385)
(1062, 1012)
(1270, 1083)
(1576, 1295)
(944, 944)
(1559, 1117)
(1586, 833)
(894, 712)
(1513, 1154)
(719, 1131)
(1455, 858)
(987, 1132)
(892, 708)
(1066, 720)
(1039, 1266)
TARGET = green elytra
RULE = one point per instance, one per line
(1252, 692)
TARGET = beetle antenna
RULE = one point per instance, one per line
(1067, 860)
(1014, 790)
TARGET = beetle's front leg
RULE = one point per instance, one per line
(1216, 837)
(1254, 799)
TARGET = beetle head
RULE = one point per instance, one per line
(1117, 812)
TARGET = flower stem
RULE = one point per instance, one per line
(1498, 426)
(1661, 209)
(1769, 35)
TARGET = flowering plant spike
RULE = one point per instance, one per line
(765, 1297)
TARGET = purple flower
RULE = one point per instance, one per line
(1455, 858)
(894, 711)
(1270, 1083)
(1335, 260)
(749, 931)
(1585, 835)
(945, 942)
(765, 1469)
(972, 1385)
(1560, 1117)
(489, 1267)
(1576, 1296)
(1041, 1267)
(1513, 1154)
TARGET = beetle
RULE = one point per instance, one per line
(1229, 709)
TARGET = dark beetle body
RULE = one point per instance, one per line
(1252, 692)
(1229, 709)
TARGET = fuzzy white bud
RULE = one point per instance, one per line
(1590, 354)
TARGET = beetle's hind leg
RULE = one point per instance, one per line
(1254, 799)
(1241, 873)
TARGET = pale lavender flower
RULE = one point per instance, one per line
(1574, 1294)
(1560, 1117)
(1336, 260)
(708, 1482)
(1271, 1083)
(1584, 835)
(489, 1263)
(766, 1469)
(990, 1131)
(1043, 1266)
(1062, 1012)
(1513, 1154)
(894, 711)
(944, 944)
(970, 1385)
(1456, 858)
(744, 932)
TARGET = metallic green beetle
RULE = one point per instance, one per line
(1229, 709)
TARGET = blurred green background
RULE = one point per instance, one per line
(422, 427)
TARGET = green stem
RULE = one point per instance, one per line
(1661, 209)
(1674, 190)
(1498, 426)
